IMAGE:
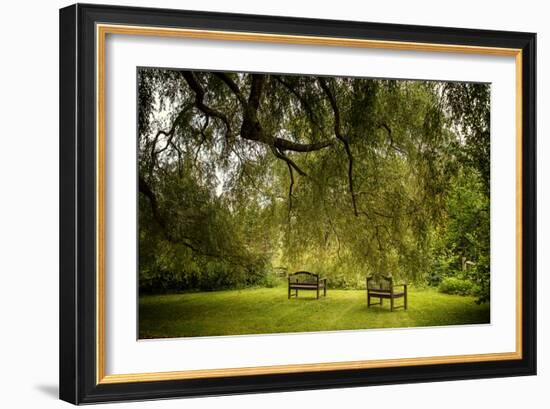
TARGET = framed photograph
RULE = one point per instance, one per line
(257, 203)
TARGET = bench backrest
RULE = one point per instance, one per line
(379, 283)
(303, 277)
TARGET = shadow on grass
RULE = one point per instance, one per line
(307, 299)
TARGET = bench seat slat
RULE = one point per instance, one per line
(385, 293)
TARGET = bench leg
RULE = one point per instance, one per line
(289, 292)
(317, 292)
(381, 301)
(325, 290)
(368, 300)
(391, 304)
(405, 299)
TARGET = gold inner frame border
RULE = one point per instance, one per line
(102, 30)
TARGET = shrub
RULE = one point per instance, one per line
(271, 279)
(455, 285)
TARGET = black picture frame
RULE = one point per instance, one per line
(78, 258)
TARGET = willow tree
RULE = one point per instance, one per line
(347, 176)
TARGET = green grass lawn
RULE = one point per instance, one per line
(267, 310)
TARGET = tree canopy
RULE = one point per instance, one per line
(241, 173)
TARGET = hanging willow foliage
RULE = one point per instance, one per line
(241, 173)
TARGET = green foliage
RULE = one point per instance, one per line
(272, 280)
(462, 248)
(458, 286)
(469, 104)
(345, 177)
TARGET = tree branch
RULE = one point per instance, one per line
(199, 100)
(203, 134)
(290, 191)
(250, 127)
(170, 135)
(342, 138)
(286, 145)
(303, 102)
(289, 161)
(385, 126)
(232, 86)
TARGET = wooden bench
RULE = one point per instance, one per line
(304, 280)
(383, 287)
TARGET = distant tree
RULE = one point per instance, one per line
(470, 109)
